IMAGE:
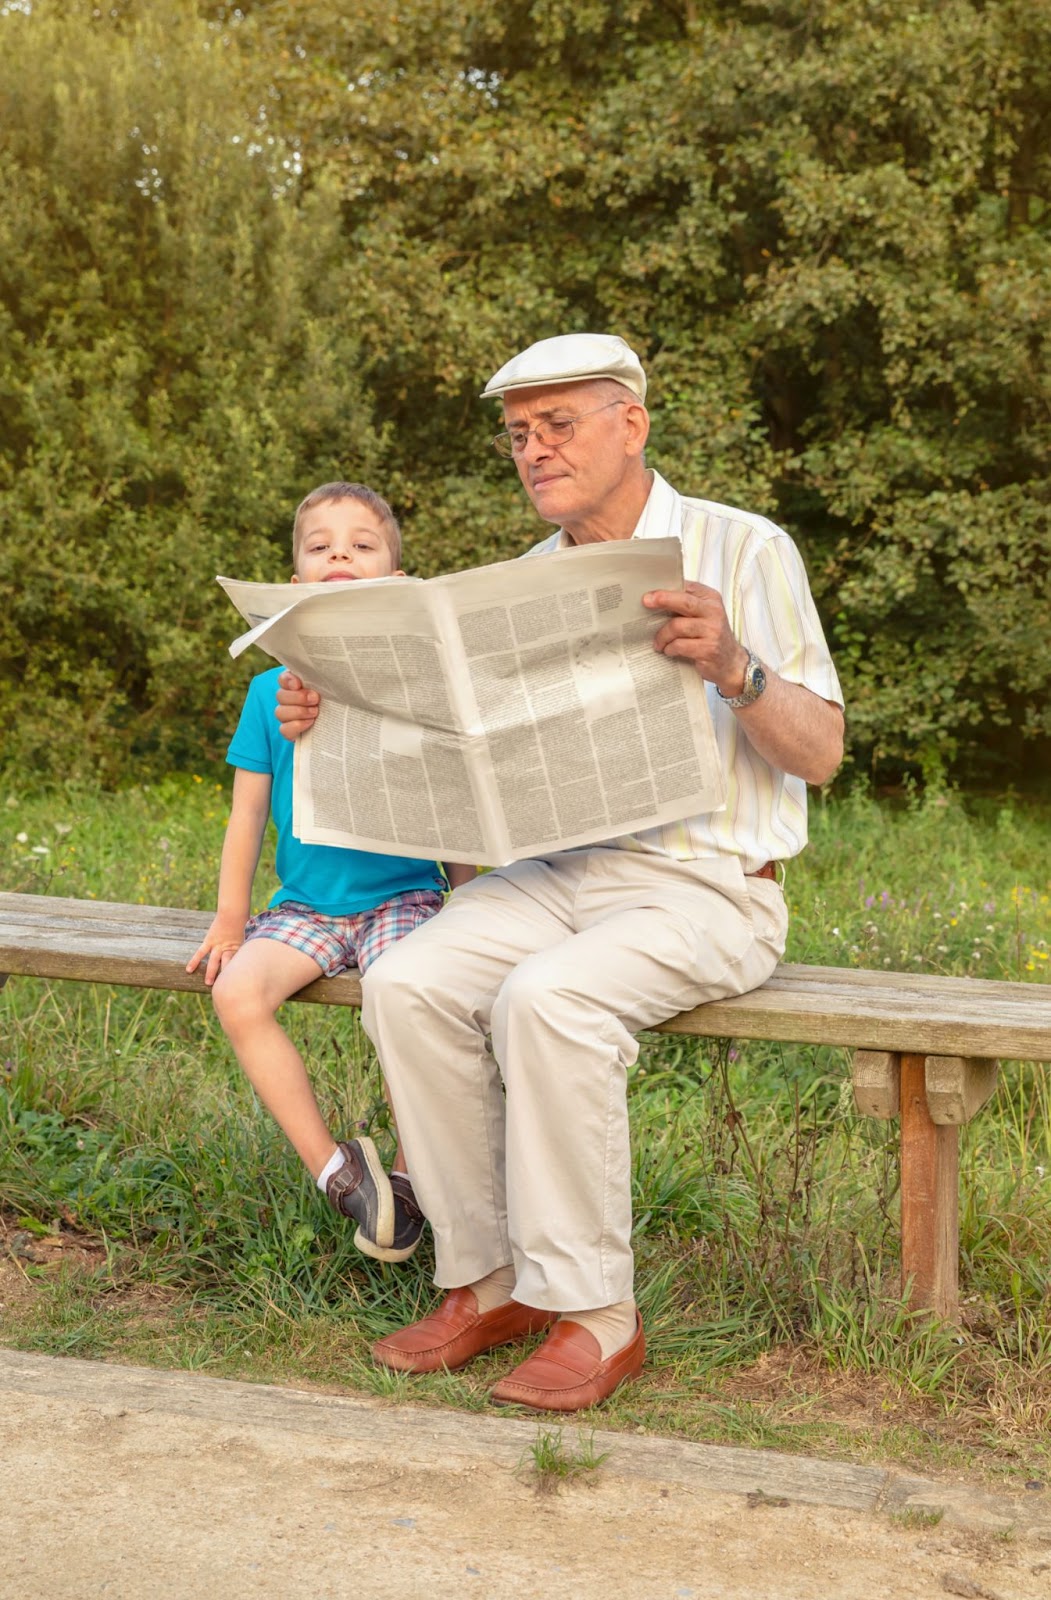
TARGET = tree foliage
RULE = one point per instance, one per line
(245, 248)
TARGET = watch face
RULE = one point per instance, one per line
(756, 681)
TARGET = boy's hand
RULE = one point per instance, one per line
(222, 941)
(297, 706)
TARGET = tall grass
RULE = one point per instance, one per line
(766, 1209)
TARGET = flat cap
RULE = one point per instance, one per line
(571, 358)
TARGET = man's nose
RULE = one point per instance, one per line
(535, 449)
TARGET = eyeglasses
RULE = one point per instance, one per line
(553, 431)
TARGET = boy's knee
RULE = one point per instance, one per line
(234, 999)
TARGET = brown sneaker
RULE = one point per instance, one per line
(408, 1224)
(361, 1189)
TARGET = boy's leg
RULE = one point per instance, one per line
(247, 993)
(261, 976)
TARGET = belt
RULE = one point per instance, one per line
(767, 871)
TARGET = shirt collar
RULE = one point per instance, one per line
(661, 517)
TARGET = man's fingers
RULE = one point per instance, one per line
(685, 628)
(674, 600)
(692, 600)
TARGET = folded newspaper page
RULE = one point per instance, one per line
(506, 711)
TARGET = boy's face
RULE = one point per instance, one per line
(342, 540)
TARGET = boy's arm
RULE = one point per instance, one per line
(249, 811)
(458, 873)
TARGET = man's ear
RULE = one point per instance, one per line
(637, 422)
(295, 578)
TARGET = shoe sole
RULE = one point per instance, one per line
(370, 1159)
(379, 1252)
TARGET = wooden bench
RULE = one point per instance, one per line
(925, 1049)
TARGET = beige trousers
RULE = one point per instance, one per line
(505, 1028)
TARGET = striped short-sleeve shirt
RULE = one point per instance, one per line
(757, 569)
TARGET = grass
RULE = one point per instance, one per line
(160, 1218)
(551, 1461)
(913, 1517)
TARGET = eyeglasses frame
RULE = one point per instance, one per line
(509, 453)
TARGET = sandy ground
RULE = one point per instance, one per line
(125, 1482)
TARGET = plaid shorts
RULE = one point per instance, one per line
(337, 943)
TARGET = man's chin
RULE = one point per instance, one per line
(548, 503)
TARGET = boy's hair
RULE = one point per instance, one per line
(349, 491)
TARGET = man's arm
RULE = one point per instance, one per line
(297, 706)
(791, 727)
(249, 811)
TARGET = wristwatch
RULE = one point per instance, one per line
(754, 684)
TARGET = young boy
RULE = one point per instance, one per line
(334, 908)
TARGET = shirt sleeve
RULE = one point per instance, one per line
(777, 618)
(250, 745)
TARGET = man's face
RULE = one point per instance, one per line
(571, 483)
(342, 540)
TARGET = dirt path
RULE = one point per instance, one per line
(126, 1482)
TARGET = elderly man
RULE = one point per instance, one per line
(506, 1025)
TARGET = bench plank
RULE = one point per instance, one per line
(148, 947)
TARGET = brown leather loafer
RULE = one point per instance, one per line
(568, 1373)
(456, 1333)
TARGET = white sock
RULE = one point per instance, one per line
(613, 1326)
(494, 1289)
(336, 1160)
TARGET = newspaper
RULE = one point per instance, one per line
(506, 711)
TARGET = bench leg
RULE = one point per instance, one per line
(930, 1198)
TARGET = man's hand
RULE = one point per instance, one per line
(791, 727)
(699, 631)
(297, 706)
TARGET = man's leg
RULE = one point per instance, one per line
(426, 1006)
(655, 939)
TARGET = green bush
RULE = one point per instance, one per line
(246, 249)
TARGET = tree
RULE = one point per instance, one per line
(173, 375)
(823, 225)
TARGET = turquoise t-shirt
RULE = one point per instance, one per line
(334, 881)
